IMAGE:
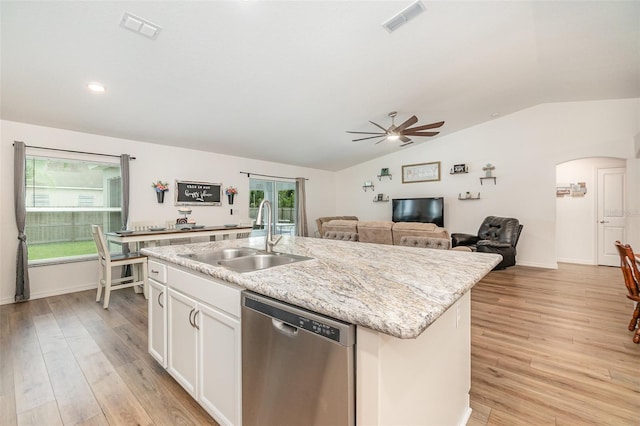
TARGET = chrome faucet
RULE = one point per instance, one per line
(268, 243)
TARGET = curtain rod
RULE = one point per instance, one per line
(277, 177)
(75, 152)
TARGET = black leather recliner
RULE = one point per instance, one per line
(496, 235)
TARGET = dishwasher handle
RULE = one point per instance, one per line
(284, 328)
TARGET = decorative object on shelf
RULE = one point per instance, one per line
(384, 172)
(366, 185)
(190, 193)
(488, 169)
(423, 172)
(571, 189)
(380, 198)
(468, 196)
(459, 168)
(400, 132)
(161, 188)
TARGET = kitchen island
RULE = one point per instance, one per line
(411, 306)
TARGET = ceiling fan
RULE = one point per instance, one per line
(401, 132)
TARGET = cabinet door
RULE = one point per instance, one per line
(219, 378)
(182, 340)
(157, 321)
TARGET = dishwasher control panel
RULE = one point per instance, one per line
(297, 317)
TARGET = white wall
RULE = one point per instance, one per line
(154, 162)
(525, 148)
(576, 217)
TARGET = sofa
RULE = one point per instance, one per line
(381, 232)
(320, 231)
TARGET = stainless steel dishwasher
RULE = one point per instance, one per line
(297, 366)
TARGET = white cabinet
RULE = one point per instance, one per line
(157, 313)
(158, 321)
(204, 341)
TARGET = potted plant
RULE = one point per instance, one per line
(161, 188)
(231, 192)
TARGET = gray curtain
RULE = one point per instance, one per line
(301, 208)
(124, 171)
(23, 291)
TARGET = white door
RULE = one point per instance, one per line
(157, 321)
(219, 365)
(182, 340)
(611, 214)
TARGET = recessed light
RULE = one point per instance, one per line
(96, 87)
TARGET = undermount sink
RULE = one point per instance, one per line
(245, 259)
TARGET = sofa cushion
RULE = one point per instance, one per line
(340, 226)
(426, 242)
(375, 232)
(338, 235)
(322, 220)
(417, 229)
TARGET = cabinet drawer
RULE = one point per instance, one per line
(219, 294)
(157, 271)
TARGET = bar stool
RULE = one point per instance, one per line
(106, 262)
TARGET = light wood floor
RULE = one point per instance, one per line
(548, 347)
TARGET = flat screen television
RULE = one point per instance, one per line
(427, 210)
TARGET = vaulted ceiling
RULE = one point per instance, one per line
(282, 81)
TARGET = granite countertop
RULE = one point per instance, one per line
(396, 290)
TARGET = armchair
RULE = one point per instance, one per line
(496, 235)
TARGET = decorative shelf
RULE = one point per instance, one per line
(485, 178)
(468, 197)
(383, 200)
(365, 187)
(381, 176)
(458, 173)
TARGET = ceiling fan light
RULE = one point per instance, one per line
(393, 137)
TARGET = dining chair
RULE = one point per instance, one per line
(106, 262)
(629, 266)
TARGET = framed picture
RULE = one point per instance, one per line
(459, 168)
(423, 172)
(380, 197)
(190, 193)
(384, 172)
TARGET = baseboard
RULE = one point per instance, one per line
(538, 265)
(56, 292)
(466, 417)
(576, 261)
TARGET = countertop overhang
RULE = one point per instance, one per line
(395, 290)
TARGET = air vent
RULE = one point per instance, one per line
(140, 26)
(407, 14)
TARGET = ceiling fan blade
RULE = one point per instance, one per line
(426, 126)
(366, 133)
(377, 125)
(383, 139)
(410, 122)
(403, 138)
(363, 139)
(405, 144)
(421, 133)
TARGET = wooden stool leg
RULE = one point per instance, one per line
(107, 287)
(100, 279)
(634, 319)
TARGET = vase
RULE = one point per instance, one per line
(230, 197)
(160, 195)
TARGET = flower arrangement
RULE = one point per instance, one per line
(160, 186)
(231, 191)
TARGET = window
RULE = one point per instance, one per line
(283, 204)
(63, 198)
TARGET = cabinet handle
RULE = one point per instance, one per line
(191, 313)
(159, 296)
(194, 320)
(153, 271)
